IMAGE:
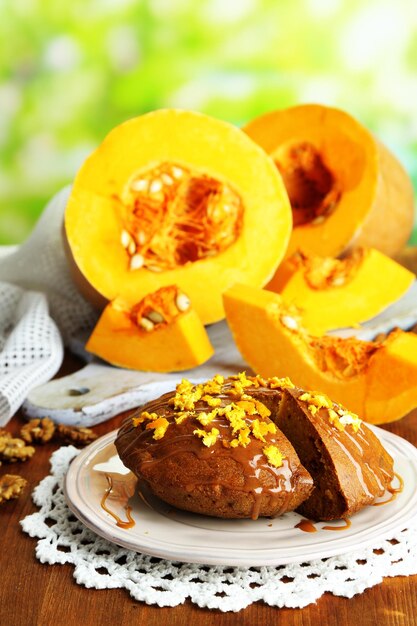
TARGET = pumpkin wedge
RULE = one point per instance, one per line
(162, 333)
(337, 293)
(345, 187)
(376, 380)
(176, 197)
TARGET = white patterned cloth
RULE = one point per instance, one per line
(37, 297)
(31, 348)
(99, 564)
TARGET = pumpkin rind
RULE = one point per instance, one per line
(209, 146)
(382, 386)
(376, 203)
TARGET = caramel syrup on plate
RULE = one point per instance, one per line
(130, 522)
(394, 491)
(306, 526)
(347, 525)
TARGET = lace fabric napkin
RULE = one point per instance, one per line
(31, 348)
(37, 297)
(99, 564)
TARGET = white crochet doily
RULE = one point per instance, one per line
(99, 564)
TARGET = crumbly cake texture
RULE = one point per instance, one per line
(230, 448)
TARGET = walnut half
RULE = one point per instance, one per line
(14, 449)
(38, 430)
(78, 436)
(11, 486)
(5, 437)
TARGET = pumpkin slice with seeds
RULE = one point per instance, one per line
(337, 293)
(377, 380)
(176, 197)
(161, 333)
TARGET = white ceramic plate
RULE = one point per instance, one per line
(168, 533)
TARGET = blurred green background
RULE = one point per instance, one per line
(70, 71)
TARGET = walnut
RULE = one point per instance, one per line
(5, 437)
(78, 436)
(38, 430)
(16, 450)
(11, 486)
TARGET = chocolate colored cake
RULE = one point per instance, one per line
(212, 449)
(248, 446)
(348, 463)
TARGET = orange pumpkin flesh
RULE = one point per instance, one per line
(376, 380)
(154, 335)
(175, 197)
(337, 293)
(344, 186)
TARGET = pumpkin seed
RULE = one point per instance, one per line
(155, 317)
(146, 324)
(125, 238)
(177, 172)
(131, 247)
(289, 322)
(136, 262)
(183, 302)
(154, 268)
(140, 185)
(338, 281)
(166, 178)
(141, 237)
(156, 185)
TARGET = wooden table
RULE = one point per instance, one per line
(33, 594)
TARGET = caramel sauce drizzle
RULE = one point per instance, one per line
(251, 458)
(119, 522)
(357, 449)
(356, 446)
(347, 525)
(306, 526)
(400, 487)
(253, 464)
(394, 491)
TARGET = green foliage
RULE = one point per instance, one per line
(70, 71)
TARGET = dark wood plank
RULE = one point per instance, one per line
(36, 594)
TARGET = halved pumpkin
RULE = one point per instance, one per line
(162, 333)
(335, 293)
(408, 258)
(376, 380)
(176, 197)
(345, 187)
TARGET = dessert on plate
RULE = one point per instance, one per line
(248, 447)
